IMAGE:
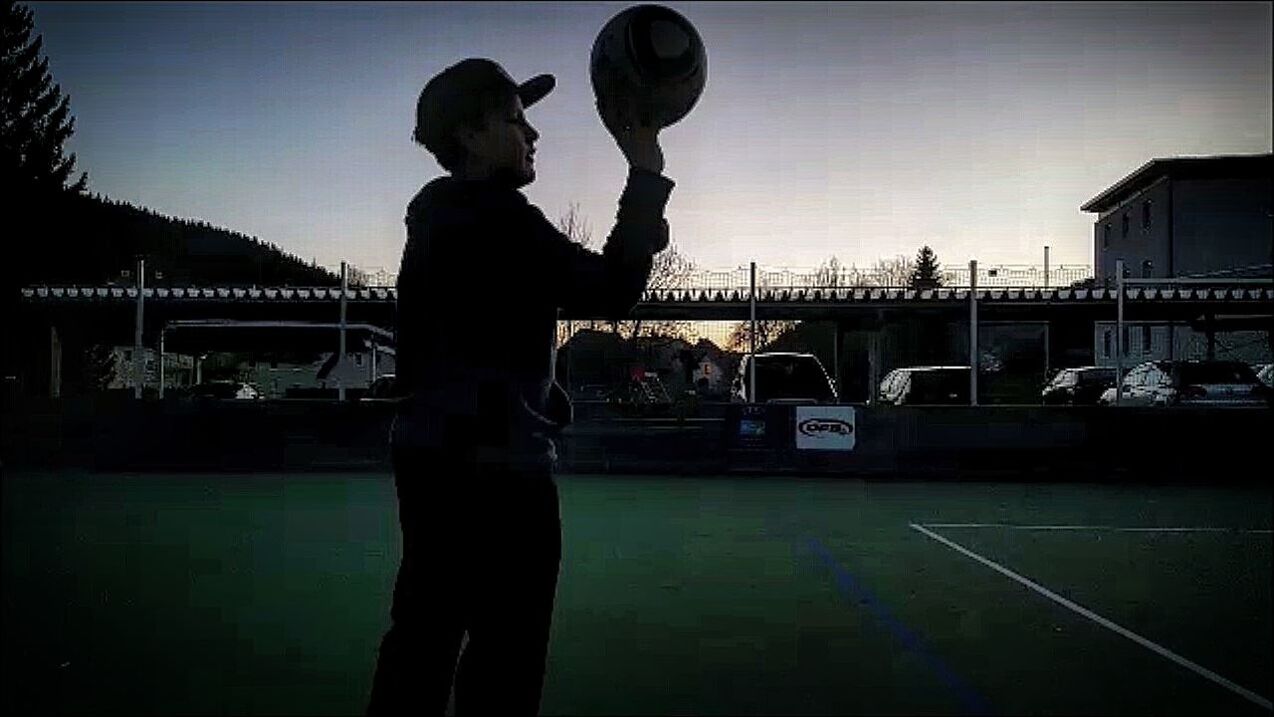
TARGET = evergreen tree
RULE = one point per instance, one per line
(35, 117)
(925, 275)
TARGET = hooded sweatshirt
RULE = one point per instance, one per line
(483, 276)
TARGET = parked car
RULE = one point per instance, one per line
(1081, 386)
(1265, 373)
(1191, 383)
(783, 377)
(384, 388)
(226, 390)
(592, 392)
(926, 385)
(643, 395)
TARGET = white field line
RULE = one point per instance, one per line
(1113, 627)
(1111, 528)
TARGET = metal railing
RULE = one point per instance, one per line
(788, 278)
(1023, 276)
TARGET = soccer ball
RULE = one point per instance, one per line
(653, 55)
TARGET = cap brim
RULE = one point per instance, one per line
(534, 89)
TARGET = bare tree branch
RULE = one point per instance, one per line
(575, 226)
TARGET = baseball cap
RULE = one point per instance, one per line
(456, 91)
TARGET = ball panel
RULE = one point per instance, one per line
(668, 40)
(653, 55)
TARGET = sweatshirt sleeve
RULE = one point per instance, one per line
(607, 284)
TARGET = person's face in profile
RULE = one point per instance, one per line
(503, 149)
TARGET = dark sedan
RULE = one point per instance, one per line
(1081, 386)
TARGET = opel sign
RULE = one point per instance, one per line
(825, 428)
(819, 426)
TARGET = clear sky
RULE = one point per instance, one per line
(860, 130)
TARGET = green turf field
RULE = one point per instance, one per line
(268, 594)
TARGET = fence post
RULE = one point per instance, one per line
(836, 338)
(139, 361)
(161, 362)
(752, 347)
(55, 363)
(973, 332)
(340, 360)
(1119, 331)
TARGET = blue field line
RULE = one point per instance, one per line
(854, 592)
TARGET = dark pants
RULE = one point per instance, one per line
(481, 551)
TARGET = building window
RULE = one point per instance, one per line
(1105, 343)
(1147, 269)
(1105, 237)
(1145, 214)
(1145, 339)
(1123, 341)
(1123, 227)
